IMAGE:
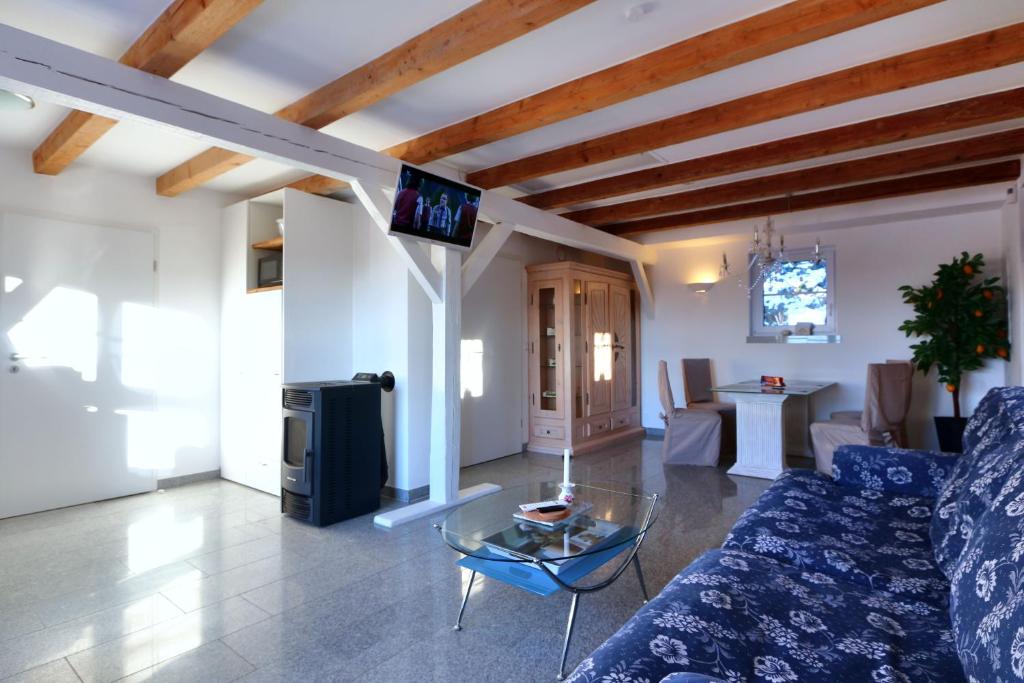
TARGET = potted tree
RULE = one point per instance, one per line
(961, 320)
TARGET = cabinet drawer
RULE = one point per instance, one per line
(621, 420)
(598, 426)
(549, 431)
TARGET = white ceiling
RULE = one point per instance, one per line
(287, 48)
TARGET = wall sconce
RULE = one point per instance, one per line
(700, 287)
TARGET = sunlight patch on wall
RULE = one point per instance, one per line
(11, 283)
(472, 367)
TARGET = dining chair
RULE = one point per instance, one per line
(854, 416)
(882, 422)
(692, 437)
(697, 391)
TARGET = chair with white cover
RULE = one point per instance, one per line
(881, 423)
(692, 437)
(855, 415)
(697, 391)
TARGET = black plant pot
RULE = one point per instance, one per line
(951, 433)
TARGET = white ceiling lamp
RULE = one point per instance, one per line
(13, 101)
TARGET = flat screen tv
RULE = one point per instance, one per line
(432, 208)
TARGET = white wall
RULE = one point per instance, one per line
(871, 262)
(187, 235)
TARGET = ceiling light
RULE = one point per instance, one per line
(13, 101)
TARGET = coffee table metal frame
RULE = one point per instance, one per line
(576, 590)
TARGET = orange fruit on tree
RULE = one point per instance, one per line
(968, 269)
(951, 388)
(979, 349)
(1001, 353)
(987, 293)
(978, 313)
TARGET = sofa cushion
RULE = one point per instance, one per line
(987, 596)
(893, 470)
(738, 616)
(879, 541)
(995, 438)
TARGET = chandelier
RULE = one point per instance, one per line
(764, 259)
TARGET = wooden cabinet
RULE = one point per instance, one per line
(583, 357)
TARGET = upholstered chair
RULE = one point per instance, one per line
(882, 422)
(697, 390)
(692, 437)
(854, 416)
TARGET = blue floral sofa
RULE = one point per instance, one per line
(903, 566)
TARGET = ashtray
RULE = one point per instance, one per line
(553, 516)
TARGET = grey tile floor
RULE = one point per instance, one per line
(209, 583)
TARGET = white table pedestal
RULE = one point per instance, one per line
(760, 435)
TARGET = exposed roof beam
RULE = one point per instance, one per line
(179, 34)
(778, 29)
(982, 148)
(781, 28)
(1002, 171)
(975, 53)
(48, 70)
(475, 30)
(974, 111)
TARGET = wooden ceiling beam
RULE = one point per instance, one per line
(793, 24)
(981, 148)
(477, 29)
(1002, 171)
(972, 54)
(967, 113)
(179, 34)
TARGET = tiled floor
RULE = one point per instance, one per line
(209, 583)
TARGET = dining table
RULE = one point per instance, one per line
(765, 417)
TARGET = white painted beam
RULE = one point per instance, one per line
(445, 400)
(413, 254)
(484, 253)
(644, 285)
(52, 71)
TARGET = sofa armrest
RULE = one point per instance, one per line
(895, 470)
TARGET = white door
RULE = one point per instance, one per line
(77, 368)
(492, 364)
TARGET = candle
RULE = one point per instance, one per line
(565, 466)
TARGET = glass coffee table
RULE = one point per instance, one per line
(608, 525)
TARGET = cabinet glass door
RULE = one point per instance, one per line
(546, 349)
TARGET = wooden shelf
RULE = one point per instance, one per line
(273, 244)
(256, 290)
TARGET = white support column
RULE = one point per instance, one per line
(484, 253)
(644, 285)
(445, 401)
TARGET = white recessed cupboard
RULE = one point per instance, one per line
(299, 331)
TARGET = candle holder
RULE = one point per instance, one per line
(566, 492)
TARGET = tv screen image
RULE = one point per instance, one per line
(433, 208)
